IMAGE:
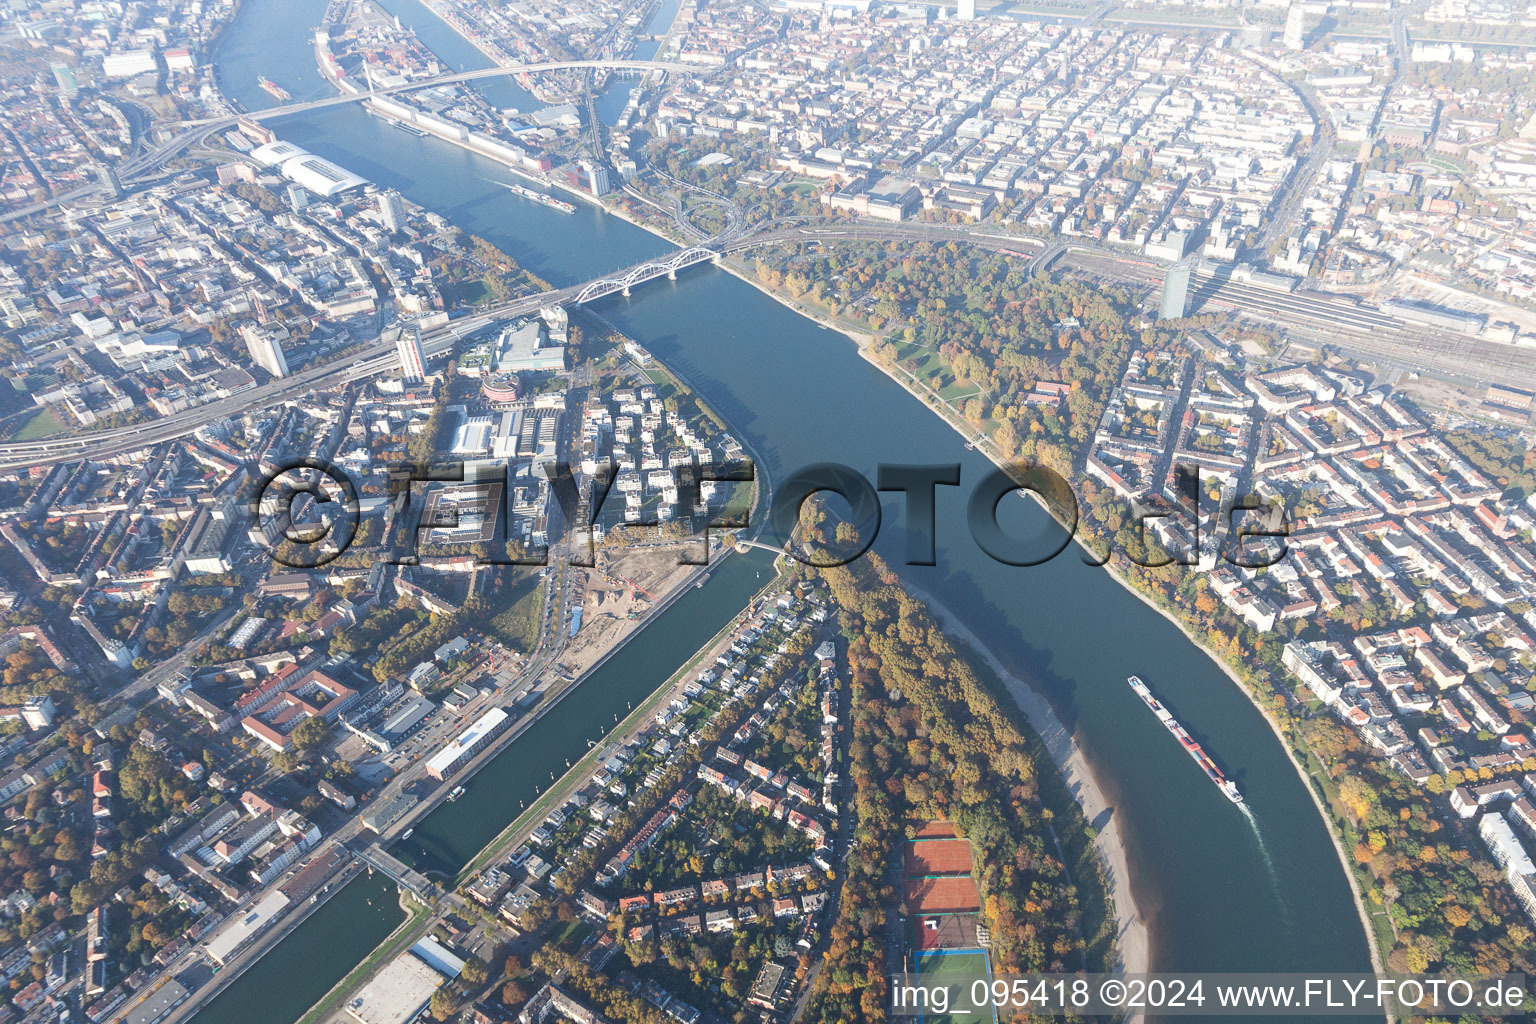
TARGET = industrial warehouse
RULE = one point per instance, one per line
(468, 743)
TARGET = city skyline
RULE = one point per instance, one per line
(513, 514)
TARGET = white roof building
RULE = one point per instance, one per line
(321, 176)
(473, 437)
(299, 165)
(397, 993)
(272, 154)
(438, 957)
(523, 346)
(250, 923)
(465, 745)
(1505, 846)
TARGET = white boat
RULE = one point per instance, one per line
(538, 197)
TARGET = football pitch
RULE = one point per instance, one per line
(956, 970)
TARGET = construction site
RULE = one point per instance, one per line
(616, 595)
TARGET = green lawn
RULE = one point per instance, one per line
(43, 423)
(517, 624)
(926, 365)
(955, 970)
(572, 932)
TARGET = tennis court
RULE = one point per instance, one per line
(938, 857)
(951, 894)
(956, 970)
(943, 931)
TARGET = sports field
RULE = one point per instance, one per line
(953, 894)
(942, 931)
(956, 970)
(938, 857)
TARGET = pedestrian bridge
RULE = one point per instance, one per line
(378, 860)
(742, 546)
(644, 272)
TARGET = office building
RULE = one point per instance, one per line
(64, 78)
(17, 310)
(264, 341)
(1295, 28)
(1175, 304)
(391, 210)
(107, 177)
(467, 744)
(967, 10)
(597, 179)
(298, 197)
(413, 361)
(1255, 35)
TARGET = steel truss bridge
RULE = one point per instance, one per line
(644, 272)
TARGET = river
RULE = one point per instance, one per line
(1222, 891)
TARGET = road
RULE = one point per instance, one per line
(178, 662)
(1350, 326)
(193, 133)
(1303, 175)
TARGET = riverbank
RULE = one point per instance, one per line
(788, 385)
(1132, 936)
(431, 5)
(578, 774)
(335, 917)
(1301, 771)
(554, 695)
(406, 934)
(863, 342)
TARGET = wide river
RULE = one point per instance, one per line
(1223, 890)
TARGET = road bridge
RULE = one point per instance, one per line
(1340, 321)
(500, 71)
(194, 132)
(378, 859)
(644, 272)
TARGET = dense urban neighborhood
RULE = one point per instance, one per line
(397, 615)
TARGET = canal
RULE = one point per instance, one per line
(295, 973)
(453, 833)
(1223, 890)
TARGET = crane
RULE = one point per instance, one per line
(616, 578)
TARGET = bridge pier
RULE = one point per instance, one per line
(626, 291)
(672, 275)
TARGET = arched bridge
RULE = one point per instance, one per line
(645, 272)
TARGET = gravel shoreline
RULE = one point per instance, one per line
(1132, 938)
(1133, 941)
